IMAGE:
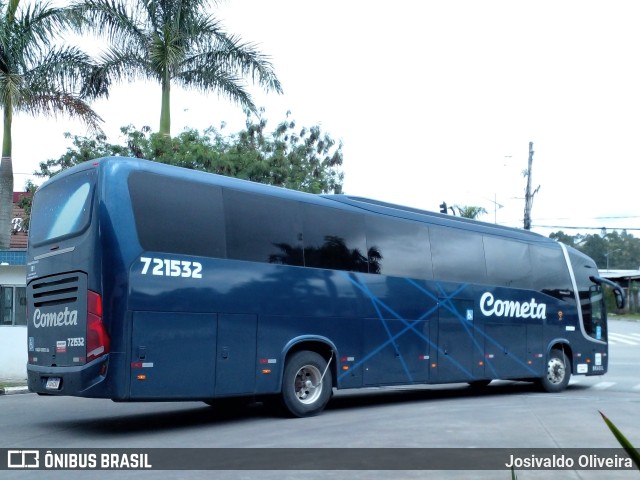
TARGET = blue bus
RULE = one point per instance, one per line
(148, 282)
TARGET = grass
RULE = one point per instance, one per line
(634, 317)
(17, 383)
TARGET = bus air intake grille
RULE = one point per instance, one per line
(56, 292)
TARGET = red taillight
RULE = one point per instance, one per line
(97, 338)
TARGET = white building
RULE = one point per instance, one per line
(13, 302)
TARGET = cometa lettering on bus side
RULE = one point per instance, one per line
(509, 308)
(55, 319)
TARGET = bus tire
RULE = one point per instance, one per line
(557, 372)
(305, 392)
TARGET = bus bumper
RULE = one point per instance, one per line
(80, 381)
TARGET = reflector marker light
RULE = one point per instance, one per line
(264, 361)
(423, 357)
(141, 364)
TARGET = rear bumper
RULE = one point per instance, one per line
(80, 381)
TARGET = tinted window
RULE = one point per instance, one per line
(177, 216)
(398, 248)
(508, 263)
(590, 295)
(263, 229)
(550, 272)
(334, 239)
(458, 255)
(63, 207)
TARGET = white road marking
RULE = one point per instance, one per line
(616, 337)
(603, 385)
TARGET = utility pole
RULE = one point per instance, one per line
(528, 196)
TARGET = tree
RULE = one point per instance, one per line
(612, 250)
(563, 238)
(175, 42)
(303, 159)
(39, 79)
(468, 211)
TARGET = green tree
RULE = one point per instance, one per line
(613, 250)
(175, 42)
(563, 238)
(39, 79)
(468, 211)
(303, 159)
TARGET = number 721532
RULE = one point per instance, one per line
(165, 267)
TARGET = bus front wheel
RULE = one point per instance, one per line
(306, 384)
(557, 372)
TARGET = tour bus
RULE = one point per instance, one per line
(148, 282)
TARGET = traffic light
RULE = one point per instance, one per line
(443, 207)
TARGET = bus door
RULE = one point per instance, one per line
(236, 354)
(513, 346)
(173, 355)
(192, 355)
(460, 345)
(398, 351)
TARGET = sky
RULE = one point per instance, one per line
(434, 101)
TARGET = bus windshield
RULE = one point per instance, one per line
(62, 208)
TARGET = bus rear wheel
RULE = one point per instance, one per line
(557, 372)
(306, 384)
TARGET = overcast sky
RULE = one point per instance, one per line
(435, 101)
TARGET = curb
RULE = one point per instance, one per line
(14, 390)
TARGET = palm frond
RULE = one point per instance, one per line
(52, 104)
(623, 441)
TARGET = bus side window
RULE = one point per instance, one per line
(398, 248)
(458, 255)
(508, 262)
(262, 228)
(550, 273)
(334, 239)
(192, 212)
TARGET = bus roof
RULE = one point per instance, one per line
(114, 165)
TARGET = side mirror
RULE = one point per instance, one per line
(617, 289)
(617, 292)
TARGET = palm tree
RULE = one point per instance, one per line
(468, 211)
(175, 42)
(39, 79)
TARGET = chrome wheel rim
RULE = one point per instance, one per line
(308, 384)
(555, 371)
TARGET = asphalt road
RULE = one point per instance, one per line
(504, 415)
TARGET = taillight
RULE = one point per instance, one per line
(97, 338)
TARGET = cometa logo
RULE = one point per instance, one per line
(55, 319)
(509, 308)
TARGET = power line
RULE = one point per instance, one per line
(587, 228)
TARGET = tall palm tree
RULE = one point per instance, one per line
(38, 78)
(175, 42)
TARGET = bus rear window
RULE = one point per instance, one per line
(62, 208)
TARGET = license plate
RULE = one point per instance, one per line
(53, 383)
